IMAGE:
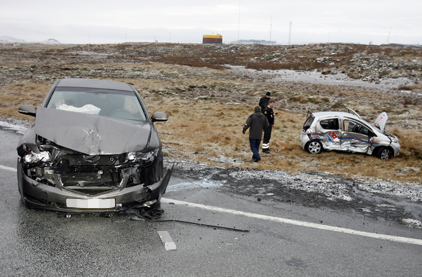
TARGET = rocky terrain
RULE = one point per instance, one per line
(208, 91)
(216, 87)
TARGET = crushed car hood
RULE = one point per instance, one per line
(91, 134)
(381, 121)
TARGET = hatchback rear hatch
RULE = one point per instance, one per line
(308, 121)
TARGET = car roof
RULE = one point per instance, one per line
(94, 83)
(335, 114)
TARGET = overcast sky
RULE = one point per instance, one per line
(118, 21)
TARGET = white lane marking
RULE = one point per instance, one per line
(8, 168)
(297, 222)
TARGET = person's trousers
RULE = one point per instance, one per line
(267, 137)
(255, 148)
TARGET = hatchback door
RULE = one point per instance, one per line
(355, 136)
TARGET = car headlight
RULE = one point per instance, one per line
(142, 156)
(32, 157)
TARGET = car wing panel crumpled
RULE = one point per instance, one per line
(90, 134)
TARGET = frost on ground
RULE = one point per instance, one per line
(412, 223)
(333, 187)
(17, 125)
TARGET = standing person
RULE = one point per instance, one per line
(269, 114)
(263, 102)
(257, 122)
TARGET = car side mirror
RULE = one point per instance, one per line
(159, 116)
(27, 109)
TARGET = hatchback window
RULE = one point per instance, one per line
(329, 124)
(308, 123)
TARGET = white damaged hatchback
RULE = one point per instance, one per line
(347, 131)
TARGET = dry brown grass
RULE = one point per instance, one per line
(206, 129)
(200, 130)
(206, 137)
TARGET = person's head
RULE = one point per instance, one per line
(271, 103)
(257, 109)
(268, 94)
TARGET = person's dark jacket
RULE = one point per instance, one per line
(263, 102)
(269, 113)
(257, 122)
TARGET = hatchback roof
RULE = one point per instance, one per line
(335, 114)
(94, 83)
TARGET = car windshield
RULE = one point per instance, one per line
(103, 102)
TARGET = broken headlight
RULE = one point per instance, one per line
(32, 157)
(142, 156)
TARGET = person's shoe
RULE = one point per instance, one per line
(255, 160)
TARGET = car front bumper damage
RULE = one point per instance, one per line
(43, 196)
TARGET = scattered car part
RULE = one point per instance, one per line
(167, 240)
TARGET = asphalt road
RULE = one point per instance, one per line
(285, 239)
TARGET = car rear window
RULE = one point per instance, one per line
(308, 122)
(329, 124)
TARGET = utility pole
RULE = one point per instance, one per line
(271, 26)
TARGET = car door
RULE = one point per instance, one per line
(355, 136)
(331, 133)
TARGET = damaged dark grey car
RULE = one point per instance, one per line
(92, 147)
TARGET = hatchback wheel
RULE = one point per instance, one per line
(314, 147)
(384, 153)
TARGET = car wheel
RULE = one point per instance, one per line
(314, 147)
(384, 153)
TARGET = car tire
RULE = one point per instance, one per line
(314, 147)
(384, 153)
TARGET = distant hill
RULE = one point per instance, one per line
(51, 41)
(6, 39)
(9, 39)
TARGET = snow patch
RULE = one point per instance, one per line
(412, 223)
